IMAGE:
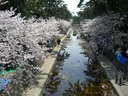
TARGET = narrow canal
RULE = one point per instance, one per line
(69, 77)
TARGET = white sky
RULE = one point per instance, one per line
(72, 5)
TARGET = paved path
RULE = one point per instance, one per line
(110, 70)
(46, 67)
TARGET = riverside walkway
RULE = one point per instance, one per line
(111, 71)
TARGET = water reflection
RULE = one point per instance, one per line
(76, 89)
(54, 79)
(73, 76)
(95, 85)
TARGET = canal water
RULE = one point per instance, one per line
(68, 77)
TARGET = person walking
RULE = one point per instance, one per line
(120, 76)
(58, 41)
(116, 78)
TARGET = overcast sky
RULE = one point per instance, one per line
(72, 5)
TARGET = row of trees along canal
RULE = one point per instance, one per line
(23, 41)
(105, 22)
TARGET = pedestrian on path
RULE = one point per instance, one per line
(101, 49)
(116, 78)
(120, 75)
(58, 41)
(97, 53)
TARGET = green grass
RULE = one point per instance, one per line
(75, 33)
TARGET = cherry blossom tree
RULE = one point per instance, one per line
(104, 29)
(20, 46)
